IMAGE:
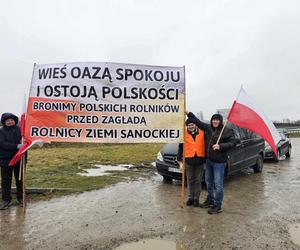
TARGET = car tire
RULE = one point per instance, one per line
(167, 179)
(258, 167)
(288, 154)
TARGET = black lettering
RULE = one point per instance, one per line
(45, 73)
(86, 73)
(106, 74)
(119, 73)
(34, 131)
(97, 70)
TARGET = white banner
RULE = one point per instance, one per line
(106, 102)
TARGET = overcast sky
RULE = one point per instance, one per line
(223, 44)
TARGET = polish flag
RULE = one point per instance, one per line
(246, 114)
(27, 145)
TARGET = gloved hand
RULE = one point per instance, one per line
(19, 146)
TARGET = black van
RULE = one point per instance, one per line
(248, 152)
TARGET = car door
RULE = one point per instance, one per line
(250, 148)
(254, 144)
(236, 154)
(284, 144)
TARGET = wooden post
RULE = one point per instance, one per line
(20, 172)
(183, 157)
(23, 159)
(24, 186)
(21, 162)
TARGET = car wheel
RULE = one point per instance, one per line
(276, 158)
(167, 179)
(288, 154)
(259, 164)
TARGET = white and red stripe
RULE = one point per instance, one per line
(27, 145)
(246, 114)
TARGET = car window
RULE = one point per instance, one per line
(253, 135)
(243, 134)
(236, 134)
(235, 130)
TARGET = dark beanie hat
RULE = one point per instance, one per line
(190, 120)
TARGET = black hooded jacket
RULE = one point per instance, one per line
(10, 137)
(226, 142)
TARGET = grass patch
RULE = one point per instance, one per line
(294, 135)
(57, 165)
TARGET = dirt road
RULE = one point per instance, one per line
(258, 211)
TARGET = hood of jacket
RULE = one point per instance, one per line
(217, 117)
(6, 116)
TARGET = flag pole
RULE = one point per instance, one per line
(21, 164)
(24, 156)
(221, 132)
(24, 186)
(183, 158)
(22, 125)
(226, 121)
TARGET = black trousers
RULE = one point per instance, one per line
(6, 179)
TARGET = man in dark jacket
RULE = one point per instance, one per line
(194, 158)
(10, 139)
(216, 158)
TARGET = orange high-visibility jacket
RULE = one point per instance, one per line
(194, 147)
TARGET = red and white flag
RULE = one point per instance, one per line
(246, 114)
(27, 143)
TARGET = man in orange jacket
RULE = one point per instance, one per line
(194, 158)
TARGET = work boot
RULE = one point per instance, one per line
(5, 205)
(207, 203)
(196, 203)
(190, 202)
(215, 210)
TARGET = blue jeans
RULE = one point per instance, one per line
(214, 178)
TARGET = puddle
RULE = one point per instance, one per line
(101, 170)
(294, 231)
(152, 244)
